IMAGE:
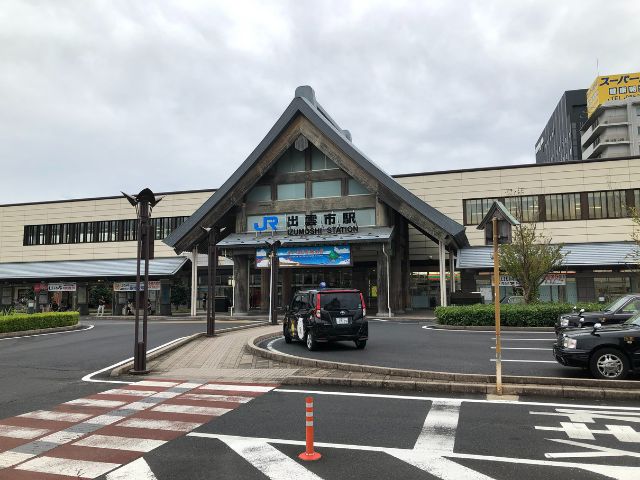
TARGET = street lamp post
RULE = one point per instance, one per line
(497, 225)
(273, 283)
(212, 272)
(143, 203)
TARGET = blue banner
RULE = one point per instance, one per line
(319, 256)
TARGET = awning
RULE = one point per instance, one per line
(578, 254)
(88, 268)
(364, 235)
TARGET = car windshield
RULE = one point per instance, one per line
(635, 320)
(340, 301)
(615, 305)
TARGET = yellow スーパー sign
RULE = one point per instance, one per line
(612, 87)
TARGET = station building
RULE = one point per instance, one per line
(406, 241)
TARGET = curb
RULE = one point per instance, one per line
(454, 382)
(40, 331)
(116, 372)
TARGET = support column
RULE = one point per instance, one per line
(381, 274)
(194, 282)
(287, 277)
(452, 272)
(165, 297)
(442, 273)
(264, 289)
(241, 282)
(212, 273)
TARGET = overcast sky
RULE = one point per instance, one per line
(102, 96)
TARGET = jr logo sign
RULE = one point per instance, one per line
(267, 222)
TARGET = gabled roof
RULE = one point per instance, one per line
(497, 209)
(305, 104)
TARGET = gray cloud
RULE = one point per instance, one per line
(103, 96)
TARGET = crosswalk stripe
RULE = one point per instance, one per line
(9, 459)
(215, 398)
(174, 425)
(65, 466)
(56, 416)
(191, 410)
(156, 383)
(90, 402)
(62, 437)
(126, 391)
(236, 388)
(120, 443)
(138, 470)
(21, 432)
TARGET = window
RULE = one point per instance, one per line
(129, 230)
(329, 188)
(366, 217)
(356, 189)
(564, 206)
(291, 191)
(291, 161)
(607, 204)
(259, 193)
(524, 209)
(476, 209)
(319, 161)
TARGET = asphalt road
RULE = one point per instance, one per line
(371, 434)
(416, 346)
(37, 372)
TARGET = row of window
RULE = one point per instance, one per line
(297, 191)
(100, 231)
(558, 206)
(294, 161)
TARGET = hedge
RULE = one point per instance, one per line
(532, 315)
(19, 322)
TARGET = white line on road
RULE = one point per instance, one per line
(445, 399)
(89, 327)
(150, 424)
(524, 348)
(91, 402)
(138, 470)
(269, 460)
(56, 416)
(21, 432)
(236, 388)
(210, 397)
(132, 393)
(507, 339)
(525, 361)
(191, 410)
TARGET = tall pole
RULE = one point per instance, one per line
(496, 302)
(145, 298)
(137, 362)
(212, 254)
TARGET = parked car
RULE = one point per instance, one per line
(616, 312)
(326, 315)
(608, 352)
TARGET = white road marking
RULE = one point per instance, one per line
(524, 348)
(596, 451)
(9, 459)
(507, 339)
(597, 408)
(138, 470)
(237, 388)
(62, 437)
(525, 361)
(191, 410)
(56, 416)
(120, 443)
(580, 431)
(269, 460)
(90, 402)
(173, 425)
(65, 466)
(89, 327)
(588, 416)
(21, 432)
(156, 383)
(105, 419)
(215, 398)
(133, 393)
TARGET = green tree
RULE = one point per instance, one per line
(179, 293)
(101, 289)
(529, 258)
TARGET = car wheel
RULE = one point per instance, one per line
(285, 333)
(360, 344)
(311, 341)
(609, 364)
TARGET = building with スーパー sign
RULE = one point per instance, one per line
(607, 88)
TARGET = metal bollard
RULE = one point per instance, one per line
(309, 454)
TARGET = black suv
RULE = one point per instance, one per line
(617, 311)
(609, 352)
(326, 315)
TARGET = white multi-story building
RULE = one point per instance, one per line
(612, 130)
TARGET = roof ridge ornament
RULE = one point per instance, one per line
(305, 91)
(301, 143)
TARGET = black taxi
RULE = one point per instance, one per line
(618, 311)
(326, 315)
(608, 352)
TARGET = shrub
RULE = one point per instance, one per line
(532, 315)
(19, 322)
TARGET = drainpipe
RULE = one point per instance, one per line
(388, 282)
